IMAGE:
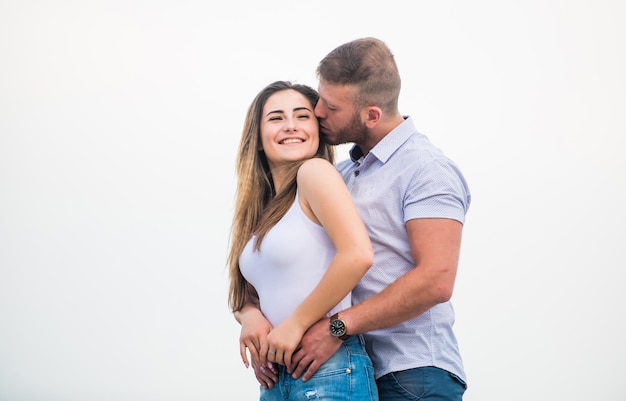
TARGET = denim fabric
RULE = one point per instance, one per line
(348, 375)
(424, 384)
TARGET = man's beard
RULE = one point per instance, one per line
(355, 132)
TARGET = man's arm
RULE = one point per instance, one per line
(435, 247)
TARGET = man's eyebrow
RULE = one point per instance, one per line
(328, 104)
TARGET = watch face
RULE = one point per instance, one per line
(337, 328)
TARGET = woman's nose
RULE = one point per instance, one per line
(289, 125)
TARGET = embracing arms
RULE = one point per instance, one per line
(325, 199)
(435, 246)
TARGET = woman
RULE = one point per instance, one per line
(298, 246)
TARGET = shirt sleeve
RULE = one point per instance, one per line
(438, 190)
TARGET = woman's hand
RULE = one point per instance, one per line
(283, 340)
(266, 375)
(253, 339)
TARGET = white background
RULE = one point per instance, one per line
(119, 123)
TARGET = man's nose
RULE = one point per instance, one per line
(318, 110)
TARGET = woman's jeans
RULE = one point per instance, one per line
(424, 384)
(348, 375)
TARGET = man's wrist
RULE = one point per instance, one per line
(338, 328)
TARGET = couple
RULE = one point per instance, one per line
(332, 306)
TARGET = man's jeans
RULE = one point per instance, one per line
(423, 384)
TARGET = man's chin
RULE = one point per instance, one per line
(328, 139)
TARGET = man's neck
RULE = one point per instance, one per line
(381, 130)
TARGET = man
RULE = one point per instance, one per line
(413, 200)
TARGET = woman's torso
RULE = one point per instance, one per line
(293, 258)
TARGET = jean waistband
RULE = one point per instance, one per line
(355, 339)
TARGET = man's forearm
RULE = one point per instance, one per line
(406, 298)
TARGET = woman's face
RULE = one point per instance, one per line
(289, 128)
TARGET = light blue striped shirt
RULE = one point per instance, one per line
(405, 177)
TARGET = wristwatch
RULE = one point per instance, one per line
(338, 328)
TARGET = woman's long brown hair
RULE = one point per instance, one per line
(257, 207)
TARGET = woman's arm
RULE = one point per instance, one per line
(325, 199)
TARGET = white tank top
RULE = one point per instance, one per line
(293, 257)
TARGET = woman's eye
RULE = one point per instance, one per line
(275, 118)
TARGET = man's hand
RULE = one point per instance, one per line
(316, 347)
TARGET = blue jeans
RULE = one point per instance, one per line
(348, 375)
(424, 384)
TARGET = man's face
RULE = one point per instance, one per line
(339, 121)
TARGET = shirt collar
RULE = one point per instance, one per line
(389, 144)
